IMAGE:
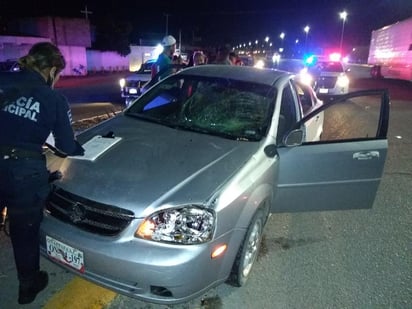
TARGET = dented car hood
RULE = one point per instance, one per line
(152, 165)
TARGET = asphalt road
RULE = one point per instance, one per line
(342, 259)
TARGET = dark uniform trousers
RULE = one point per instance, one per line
(24, 188)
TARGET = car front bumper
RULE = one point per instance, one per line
(146, 270)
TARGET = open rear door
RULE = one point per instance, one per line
(343, 170)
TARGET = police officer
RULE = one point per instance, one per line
(30, 109)
(164, 65)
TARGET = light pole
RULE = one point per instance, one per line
(282, 36)
(306, 29)
(167, 23)
(343, 16)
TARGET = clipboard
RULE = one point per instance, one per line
(96, 146)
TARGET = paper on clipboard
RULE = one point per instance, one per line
(97, 146)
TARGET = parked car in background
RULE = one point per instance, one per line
(329, 78)
(9, 66)
(130, 86)
(172, 195)
(290, 65)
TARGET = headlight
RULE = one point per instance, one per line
(343, 81)
(260, 64)
(122, 82)
(305, 77)
(187, 225)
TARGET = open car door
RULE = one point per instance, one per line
(342, 170)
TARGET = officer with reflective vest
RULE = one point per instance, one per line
(164, 65)
(31, 110)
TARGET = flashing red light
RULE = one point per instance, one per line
(335, 56)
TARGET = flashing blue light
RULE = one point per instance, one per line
(309, 60)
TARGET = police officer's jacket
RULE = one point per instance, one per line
(30, 110)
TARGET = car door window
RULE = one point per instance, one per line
(352, 119)
(305, 97)
(287, 116)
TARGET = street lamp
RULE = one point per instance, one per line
(306, 29)
(343, 16)
(167, 23)
(282, 36)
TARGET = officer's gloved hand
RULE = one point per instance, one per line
(55, 175)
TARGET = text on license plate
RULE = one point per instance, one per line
(65, 254)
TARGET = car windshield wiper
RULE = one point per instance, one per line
(190, 127)
(148, 118)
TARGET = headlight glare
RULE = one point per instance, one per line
(343, 81)
(185, 225)
(122, 82)
(305, 77)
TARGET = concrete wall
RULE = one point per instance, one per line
(13, 47)
(108, 61)
(61, 31)
(76, 60)
(73, 37)
(79, 60)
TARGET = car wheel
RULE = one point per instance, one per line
(128, 101)
(248, 251)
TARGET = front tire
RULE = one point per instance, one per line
(248, 251)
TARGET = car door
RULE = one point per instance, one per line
(342, 170)
(308, 102)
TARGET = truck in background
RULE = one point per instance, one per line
(390, 51)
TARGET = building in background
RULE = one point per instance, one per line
(73, 36)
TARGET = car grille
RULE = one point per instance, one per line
(88, 215)
(326, 82)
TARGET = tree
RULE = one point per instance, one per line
(111, 35)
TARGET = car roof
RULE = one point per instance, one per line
(235, 72)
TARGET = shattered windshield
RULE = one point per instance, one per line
(228, 108)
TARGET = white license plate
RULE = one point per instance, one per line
(323, 90)
(65, 254)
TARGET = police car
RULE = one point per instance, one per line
(130, 86)
(329, 78)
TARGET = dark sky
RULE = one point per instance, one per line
(231, 21)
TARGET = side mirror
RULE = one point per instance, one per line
(271, 151)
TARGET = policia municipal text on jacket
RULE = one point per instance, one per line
(30, 109)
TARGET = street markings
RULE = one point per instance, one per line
(81, 294)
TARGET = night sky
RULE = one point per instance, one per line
(234, 22)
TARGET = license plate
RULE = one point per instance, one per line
(323, 90)
(65, 254)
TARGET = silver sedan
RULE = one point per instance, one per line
(172, 195)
